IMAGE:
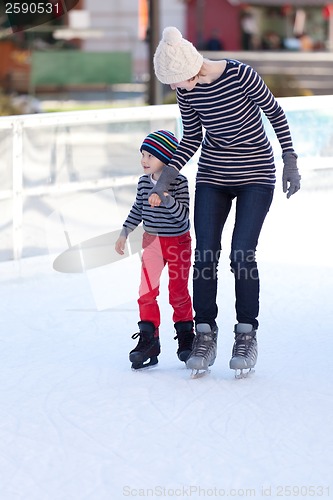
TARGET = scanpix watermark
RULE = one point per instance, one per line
(242, 263)
(187, 492)
(89, 247)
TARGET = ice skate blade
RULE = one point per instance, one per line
(241, 373)
(144, 366)
(199, 373)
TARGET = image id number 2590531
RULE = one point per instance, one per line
(32, 8)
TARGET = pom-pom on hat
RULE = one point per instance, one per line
(176, 59)
(162, 144)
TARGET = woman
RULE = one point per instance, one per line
(236, 162)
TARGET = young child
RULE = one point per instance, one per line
(166, 240)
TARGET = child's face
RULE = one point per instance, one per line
(151, 164)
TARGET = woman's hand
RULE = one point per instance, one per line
(291, 180)
(168, 175)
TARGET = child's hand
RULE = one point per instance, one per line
(154, 200)
(120, 245)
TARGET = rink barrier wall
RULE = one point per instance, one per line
(136, 121)
(151, 117)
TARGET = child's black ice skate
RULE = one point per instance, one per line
(148, 348)
(244, 351)
(185, 337)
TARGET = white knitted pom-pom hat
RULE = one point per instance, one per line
(176, 59)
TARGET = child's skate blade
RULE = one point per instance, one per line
(144, 365)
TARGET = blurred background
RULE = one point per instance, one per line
(98, 53)
(78, 95)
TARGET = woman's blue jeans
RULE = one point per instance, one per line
(212, 206)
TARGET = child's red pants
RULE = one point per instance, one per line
(157, 252)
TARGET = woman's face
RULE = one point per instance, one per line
(186, 85)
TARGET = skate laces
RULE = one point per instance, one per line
(185, 340)
(203, 345)
(243, 343)
(143, 340)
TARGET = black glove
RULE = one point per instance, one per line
(290, 174)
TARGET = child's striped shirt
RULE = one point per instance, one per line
(170, 219)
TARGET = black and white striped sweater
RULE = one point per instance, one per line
(235, 149)
(170, 218)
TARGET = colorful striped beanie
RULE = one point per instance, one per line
(162, 144)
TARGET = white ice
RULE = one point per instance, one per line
(77, 424)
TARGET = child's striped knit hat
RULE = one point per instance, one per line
(162, 144)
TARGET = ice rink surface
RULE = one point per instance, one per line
(77, 424)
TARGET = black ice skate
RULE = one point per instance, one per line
(148, 348)
(204, 350)
(185, 337)
(244, 351)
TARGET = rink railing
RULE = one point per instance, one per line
(100, 150)
(145, 118)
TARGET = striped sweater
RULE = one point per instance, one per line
(170, 218)
(235, 149)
